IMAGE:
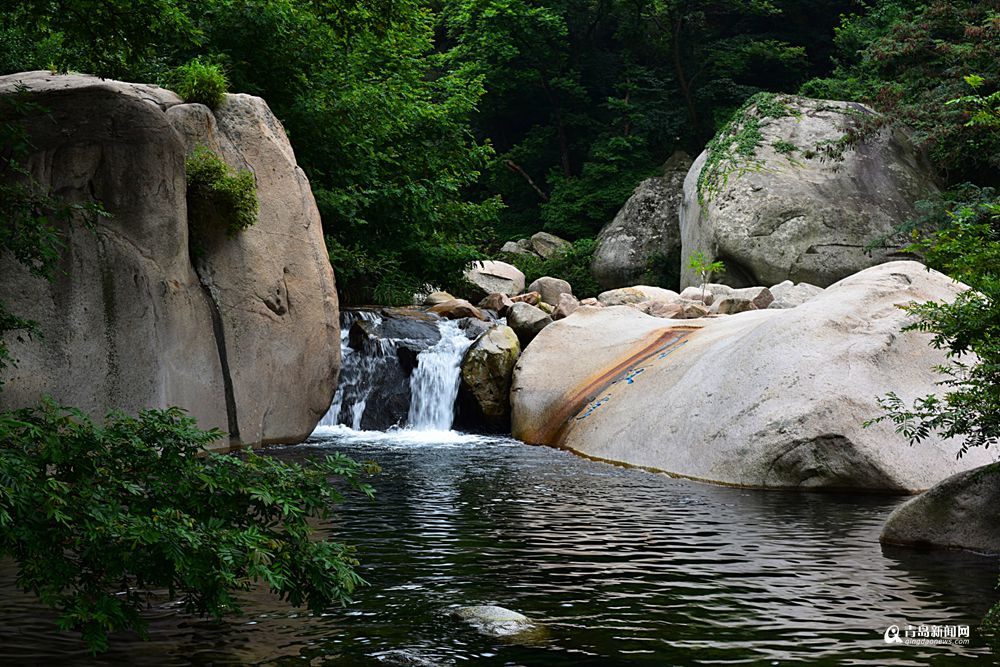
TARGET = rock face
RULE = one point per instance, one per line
(486, 375)
(491, 276)
(809, 200)
(645, 230)
(243, 335)
(767, 398)
(962, 512)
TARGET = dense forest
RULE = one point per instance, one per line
(433, 131)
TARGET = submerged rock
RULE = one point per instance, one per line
(962, 512)
(495, 621)
(768, 398)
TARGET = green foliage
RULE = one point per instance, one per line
(99, 517)
(705, 269)
(570, 263)
(985, 109)
(217, 194)
(968, 329)
(908, 59)
(201, 82)
(733, 150)
(784, 147)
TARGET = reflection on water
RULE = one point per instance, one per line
(624, 567)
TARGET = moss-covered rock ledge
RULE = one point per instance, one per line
(240, 329)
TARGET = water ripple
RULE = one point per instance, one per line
(623, 567)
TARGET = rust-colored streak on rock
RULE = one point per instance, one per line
(558, 426)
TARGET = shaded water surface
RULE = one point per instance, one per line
(622, 566)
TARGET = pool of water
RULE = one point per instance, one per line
(623, 567)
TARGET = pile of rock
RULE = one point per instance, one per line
(708, 300)
(541, 245)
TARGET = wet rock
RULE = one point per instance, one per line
(405, 658)
(494, 621)
(486, 375)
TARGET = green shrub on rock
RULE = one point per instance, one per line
(200, 82)
(215, 192)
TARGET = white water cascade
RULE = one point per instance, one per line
(356, 371)
(434, 382)
(367, 376)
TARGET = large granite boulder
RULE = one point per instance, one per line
(962, 512)
(486, 375)
(823, 183)
(645, 231)
(242, 334)
(766, 398)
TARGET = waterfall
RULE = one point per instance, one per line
(434, 383)
(357, 368)
(402, 380)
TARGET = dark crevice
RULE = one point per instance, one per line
(220, 343)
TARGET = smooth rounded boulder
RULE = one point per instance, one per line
(550, 289)
(962, 512)
(822, 182)
(491, 276)
(766, 398)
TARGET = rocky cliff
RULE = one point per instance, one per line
(240, 331)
